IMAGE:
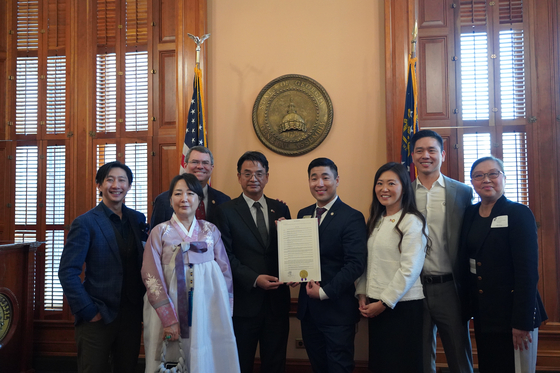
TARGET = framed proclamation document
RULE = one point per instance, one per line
(298, 250)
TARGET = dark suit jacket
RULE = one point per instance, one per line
(343, 246)
(250, 257)
(507, 269)
(92, 241)
(163, 211)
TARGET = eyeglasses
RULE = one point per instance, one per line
(249, 175)
(491, 175)
(198, 163)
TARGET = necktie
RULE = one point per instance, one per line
(201, 211)
(261, 224)
(320, 211)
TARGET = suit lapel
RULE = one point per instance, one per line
(272, 217)
(211, 203)
(106, 228)
(450, 197)
(243, 210)
(331, 214)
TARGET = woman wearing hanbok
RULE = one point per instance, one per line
(189, 289)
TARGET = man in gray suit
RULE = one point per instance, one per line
(443, 202)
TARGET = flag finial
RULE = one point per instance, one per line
(414, 39)
(198, 42)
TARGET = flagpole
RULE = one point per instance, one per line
(414, 39)
(195, 131)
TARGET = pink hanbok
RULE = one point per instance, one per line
(210, 346)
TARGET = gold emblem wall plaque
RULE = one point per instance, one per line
(292, 115)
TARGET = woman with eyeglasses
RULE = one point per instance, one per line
(499, 241)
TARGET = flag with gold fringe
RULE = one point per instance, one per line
(410, 121)
(195, 133)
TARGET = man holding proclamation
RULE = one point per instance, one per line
(262, 303)
(329, 310)
(443, 202)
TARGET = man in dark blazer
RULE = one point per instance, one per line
(200, 163)
(443, 202)
(328, 309)
(261, 302)
(108, 305)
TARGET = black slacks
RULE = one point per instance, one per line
(110, 347)
(395, 339)
(270, 330)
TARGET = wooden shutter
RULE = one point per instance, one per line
(27, 25)
(56, 24)
(516, 166)
(474, 76)
(136, 91)
(56, 95)
(511, 11)
(136, 66)
(106, 23)
(136, 22)
(472, 13)
(26, 185)
(136, 157)
(106, 93)
(512, 74)
(54, 219)
(27, 87)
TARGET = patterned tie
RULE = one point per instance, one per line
(320, 211)
(201, 211)
(261, 225)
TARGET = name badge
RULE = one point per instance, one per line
(473, 266)
(307, 216)
(500, 222)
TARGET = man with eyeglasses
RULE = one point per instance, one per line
(262, 303)
(200, 163)
(443, 202)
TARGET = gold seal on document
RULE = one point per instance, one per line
(303, 274)
(292, 115)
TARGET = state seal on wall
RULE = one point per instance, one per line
(6, 317)
(292, 115)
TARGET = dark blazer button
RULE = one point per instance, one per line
(479, 278)
(480, 291)
(479, 263)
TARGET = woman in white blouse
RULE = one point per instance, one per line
(389, 292)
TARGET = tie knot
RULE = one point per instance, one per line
(320, 211)
(257, 205)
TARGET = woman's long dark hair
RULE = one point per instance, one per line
(408, 202)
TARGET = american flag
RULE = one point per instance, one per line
(195, 133)
(410, 121)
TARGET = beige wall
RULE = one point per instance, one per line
(340, 45)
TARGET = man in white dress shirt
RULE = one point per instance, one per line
(443, 202)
